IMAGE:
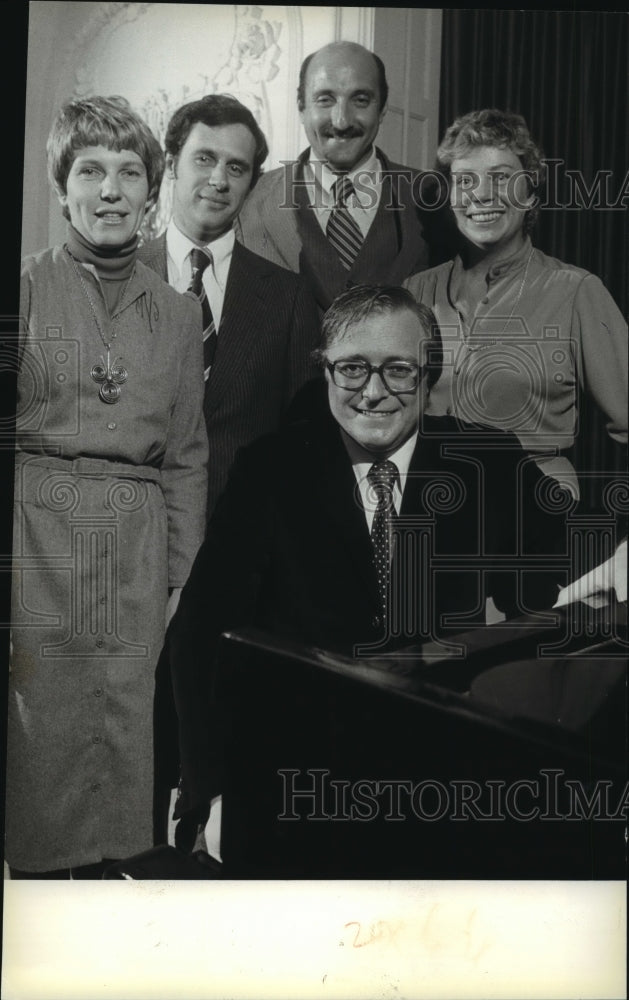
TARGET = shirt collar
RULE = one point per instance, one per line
(179, 246)
(326, 177)
(514, 263)
(362, 460)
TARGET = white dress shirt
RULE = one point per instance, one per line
(178, 248)
(362, 461)
(362, 206)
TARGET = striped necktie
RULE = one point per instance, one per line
(342, 230)
(382, 477)
(199, 260)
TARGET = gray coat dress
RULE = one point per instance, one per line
(109, 513)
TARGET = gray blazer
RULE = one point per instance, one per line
(278, 223)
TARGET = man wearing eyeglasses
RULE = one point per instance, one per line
(365, 529)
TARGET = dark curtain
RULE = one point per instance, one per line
(567, 73)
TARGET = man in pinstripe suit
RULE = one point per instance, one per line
(263, 322)
(259, 319)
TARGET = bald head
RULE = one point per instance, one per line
(347, 51)
(342, 97)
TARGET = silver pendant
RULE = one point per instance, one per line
(110, 378)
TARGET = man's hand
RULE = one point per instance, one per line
(190, 830)
(595, 587)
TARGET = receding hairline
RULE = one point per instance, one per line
(332, 47)
(341, 44)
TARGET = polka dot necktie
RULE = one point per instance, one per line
(382, 477)
(199, 260)
(342, 230)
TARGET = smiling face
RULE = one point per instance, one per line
(341, 114)
(490, 197)
(106, 194)
(375, 418)
(212, 173)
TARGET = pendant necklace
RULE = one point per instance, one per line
(109, 375)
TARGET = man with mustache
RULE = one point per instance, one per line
(260, 322)
(342, 214)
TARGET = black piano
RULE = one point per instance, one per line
(501, 755)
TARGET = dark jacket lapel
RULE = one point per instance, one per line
(240, 323)
(424, 467)
(337, 498)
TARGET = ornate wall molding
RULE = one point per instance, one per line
(250, 51)
(107, 17)
(159, 55)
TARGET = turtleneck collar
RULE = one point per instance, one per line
(111, 263)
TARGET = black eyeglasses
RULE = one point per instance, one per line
(397, 376)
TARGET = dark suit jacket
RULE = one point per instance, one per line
(269, 328)
(288, 550)
(278, 223)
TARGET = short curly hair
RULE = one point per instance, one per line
(362, 301)
(502, 129)
(102, 121)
